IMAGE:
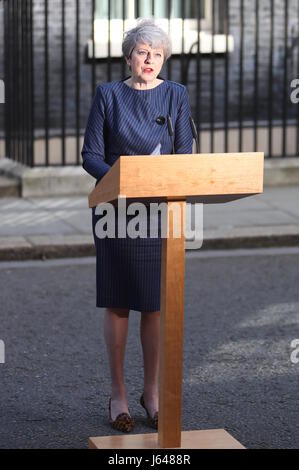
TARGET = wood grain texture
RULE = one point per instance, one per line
(203, 439)
(171, 329)
(178, 176)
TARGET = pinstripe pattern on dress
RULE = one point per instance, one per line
(122, 121)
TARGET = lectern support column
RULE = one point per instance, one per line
(171, 327)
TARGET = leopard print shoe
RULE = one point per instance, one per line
(123, 422)
(153, 420)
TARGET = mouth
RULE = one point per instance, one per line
(148, 70)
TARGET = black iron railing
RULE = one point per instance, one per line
(236, 61)
(19, 83)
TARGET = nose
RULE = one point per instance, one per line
(147, 56)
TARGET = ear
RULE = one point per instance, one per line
(128, 63)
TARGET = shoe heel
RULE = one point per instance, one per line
(153, 421)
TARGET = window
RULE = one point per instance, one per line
(183, 20)
(102, 9)
(179, 9)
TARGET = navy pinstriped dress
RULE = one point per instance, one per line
(123, 121)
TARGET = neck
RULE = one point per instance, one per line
(141, 85)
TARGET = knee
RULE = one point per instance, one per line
(152, 314)
(120, 312)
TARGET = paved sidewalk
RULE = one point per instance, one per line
(40, 228)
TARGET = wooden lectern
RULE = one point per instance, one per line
(206, 178)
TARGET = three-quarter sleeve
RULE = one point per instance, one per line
(93, 150)
(183, 132)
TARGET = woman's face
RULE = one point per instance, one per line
(146, 63)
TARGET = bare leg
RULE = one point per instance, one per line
(150, 334)
(115, 333)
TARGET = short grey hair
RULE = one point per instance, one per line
(147, 32)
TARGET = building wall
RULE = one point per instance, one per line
(1, 64)
(116, 68)
(249, 63)
(55, 64)
(86, 89)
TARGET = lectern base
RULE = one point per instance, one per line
(208, 439)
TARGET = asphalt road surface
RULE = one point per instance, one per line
(241, 316)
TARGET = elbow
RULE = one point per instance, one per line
(82, 164)
(84, 156)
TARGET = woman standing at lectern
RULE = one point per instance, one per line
(128, 117)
